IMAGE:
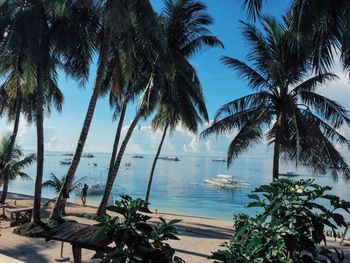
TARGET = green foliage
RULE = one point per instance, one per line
(290, 226)
(33, 229)
(134, 238)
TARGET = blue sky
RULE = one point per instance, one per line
(219, 83)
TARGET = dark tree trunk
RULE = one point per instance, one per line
(115, 147)
(277, 146)
(40, 145)
(111, 178)
(8, 156)
(154, 165)
(276, 158)
(64, 192)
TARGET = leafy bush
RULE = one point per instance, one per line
(289, 228)
(135, 239)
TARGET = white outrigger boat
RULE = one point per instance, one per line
(225, 181)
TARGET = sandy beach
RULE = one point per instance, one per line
(198, 236)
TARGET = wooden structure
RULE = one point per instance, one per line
(7, 259)
(345, 232)
(3, 206)
(79, 236)
(20, 215)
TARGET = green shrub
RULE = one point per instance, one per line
(290, 226)
(134, 238)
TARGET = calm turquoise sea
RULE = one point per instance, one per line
(178, 186)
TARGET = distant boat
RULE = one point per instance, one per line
(128, 164)
(224, 181)
(137, 156)
(290, 174)
(88, 155)
(219, 160)
(67, 154)
(166, 158)
(66, 162)
(95, 164)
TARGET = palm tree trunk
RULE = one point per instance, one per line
(154, 165)
(112, 176)
(40, 146)
(9, 152)
(115, 147)
(276, 158)
(277, 146)
(64, 192)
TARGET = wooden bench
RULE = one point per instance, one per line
(20, 215)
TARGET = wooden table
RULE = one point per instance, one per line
(79, 236)
(3, 206)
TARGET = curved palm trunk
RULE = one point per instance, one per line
(154, 165)
(9, 153)
(64, 192)
(40, 146)
(112, 176)
(115, 148)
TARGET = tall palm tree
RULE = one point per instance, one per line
(42, 54)
(14, 166)
(300, 123)
(56, 183)
(185, 28)
(116, 23)
(136, 55)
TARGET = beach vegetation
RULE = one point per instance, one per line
(290, 224)
(134, 238)
(14, 166)
(285, 108)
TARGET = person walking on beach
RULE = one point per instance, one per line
(84, 194)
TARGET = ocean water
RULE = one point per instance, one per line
(178, 187)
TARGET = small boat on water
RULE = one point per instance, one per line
(128, 164)
(67, 154)
(166, 158)
(290, 174)
(66, 162)
(137, 156)
(219, 160)
(96, 189)
(225, 181)
(88, 155)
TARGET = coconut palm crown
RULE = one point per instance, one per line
(285, 107)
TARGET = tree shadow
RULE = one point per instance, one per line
(25, 252)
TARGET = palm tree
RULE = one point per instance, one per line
(42, 54)
(56, 183)
(323, 24)
(185, 26)
(300, 123)
(14, 167)
(136, 55)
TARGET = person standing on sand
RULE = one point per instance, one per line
(84, 194)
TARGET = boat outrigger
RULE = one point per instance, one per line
(219, 160)
(137, 156)
(176, 159)
(88, 155)
(66, 162)
(225, 181)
